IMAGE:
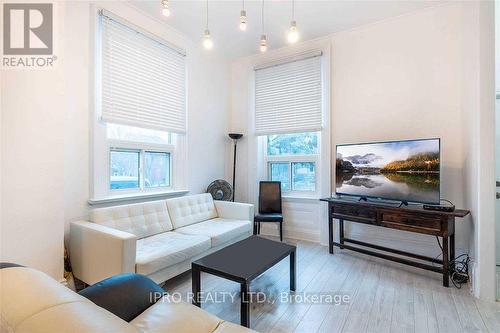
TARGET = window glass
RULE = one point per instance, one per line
(137, 134)
(281, 172)
(124, 173)
(156, 169)
(292, 144)
(303, 176)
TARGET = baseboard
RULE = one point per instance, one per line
(290, 232)
(473, 283)
(498, 282)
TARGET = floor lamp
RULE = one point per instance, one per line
(235, 137)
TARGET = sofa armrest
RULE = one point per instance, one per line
(234, 210)
(98, 252)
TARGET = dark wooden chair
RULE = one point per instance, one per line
(269, 206)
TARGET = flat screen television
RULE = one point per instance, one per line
(407, 171)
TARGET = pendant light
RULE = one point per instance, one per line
(263, 37)
(293, 34)
(164, 8)
(243, 17)
(207, 39)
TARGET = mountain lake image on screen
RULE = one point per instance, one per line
(396, 170)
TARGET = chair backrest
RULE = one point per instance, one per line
(270, 197)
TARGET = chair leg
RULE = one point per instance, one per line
(281, 232)
(258, 228)
(255, 228)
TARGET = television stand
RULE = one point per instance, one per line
(407, 218)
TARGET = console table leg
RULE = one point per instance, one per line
(446, 278)
(196, 285)
(330, 230)
(452, 252)
(245, 305)
(341, 232)
(293, 271)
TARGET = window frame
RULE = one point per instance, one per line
(141, 148)
(294, 158)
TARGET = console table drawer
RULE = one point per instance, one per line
(355, 211)
(411, 222)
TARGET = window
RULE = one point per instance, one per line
(140, 117)
(125, 166)
(289, 120)
(292, 159)
(139, 159)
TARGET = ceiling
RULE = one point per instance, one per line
(314, 19)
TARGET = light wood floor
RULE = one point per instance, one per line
(384, 297)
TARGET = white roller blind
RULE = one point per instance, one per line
(143, 79)
(288, 97)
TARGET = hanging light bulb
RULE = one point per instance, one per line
(243, 17)
(263, 37)
(208, 43)
(263, 43)
(293, 34)
(243, 20)
(164, 8)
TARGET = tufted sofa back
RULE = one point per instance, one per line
(142, 219)
(191, 209)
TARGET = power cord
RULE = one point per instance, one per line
(448, 201)
(458, 268)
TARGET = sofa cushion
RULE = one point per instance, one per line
(191, 209)
(142, 219)
(75, 317)
(172, 317)
(219, 230)
(167, 249)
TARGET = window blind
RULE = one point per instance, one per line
(143, 80)
(288, 97)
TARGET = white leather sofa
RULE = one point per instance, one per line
(158, 239)
(33, 302)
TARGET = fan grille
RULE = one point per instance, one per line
(220, 190)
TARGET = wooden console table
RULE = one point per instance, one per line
(408, 218)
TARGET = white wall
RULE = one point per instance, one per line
(32, 150)
(485, 247)
(413, 76)
(46, 135)
(401, 79)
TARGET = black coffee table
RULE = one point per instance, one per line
(242, 262)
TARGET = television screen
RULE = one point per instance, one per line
(396, 170)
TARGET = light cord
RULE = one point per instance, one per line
(207, 16)
(262, 16)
